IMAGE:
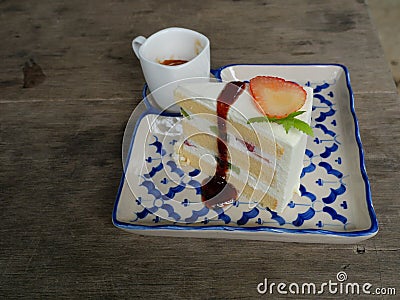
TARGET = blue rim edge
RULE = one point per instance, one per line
(217, 73)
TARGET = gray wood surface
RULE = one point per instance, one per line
(60, 147)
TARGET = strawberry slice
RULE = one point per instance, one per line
(276, 97)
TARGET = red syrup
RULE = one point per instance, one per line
(173, 62)
(216, 190)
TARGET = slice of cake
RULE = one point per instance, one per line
(247, 137)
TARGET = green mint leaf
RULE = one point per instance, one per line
(214, 129)
(230, 166)
(234, 168)
(289, 122)
(184, 113)
(258, 120)
(295, 114)
(303, 126)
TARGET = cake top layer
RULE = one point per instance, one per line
(244, 109)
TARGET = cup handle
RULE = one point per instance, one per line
(137, 43)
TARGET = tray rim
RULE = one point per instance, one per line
(370, 232)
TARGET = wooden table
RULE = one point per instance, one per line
(60, 147)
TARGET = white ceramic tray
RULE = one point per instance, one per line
(335, 204)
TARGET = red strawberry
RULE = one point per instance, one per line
(276, 97)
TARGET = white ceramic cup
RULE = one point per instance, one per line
(172, 43)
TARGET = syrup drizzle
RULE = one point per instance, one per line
(216, 190)
(173, 62)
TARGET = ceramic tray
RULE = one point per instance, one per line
(335, 204)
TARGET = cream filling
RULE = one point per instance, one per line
(204, 154)
(283, 196)
(206, 127)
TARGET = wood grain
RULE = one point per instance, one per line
(60, 148)
(84, 48)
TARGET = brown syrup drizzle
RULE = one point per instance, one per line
(216, 190)
(173, 62)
